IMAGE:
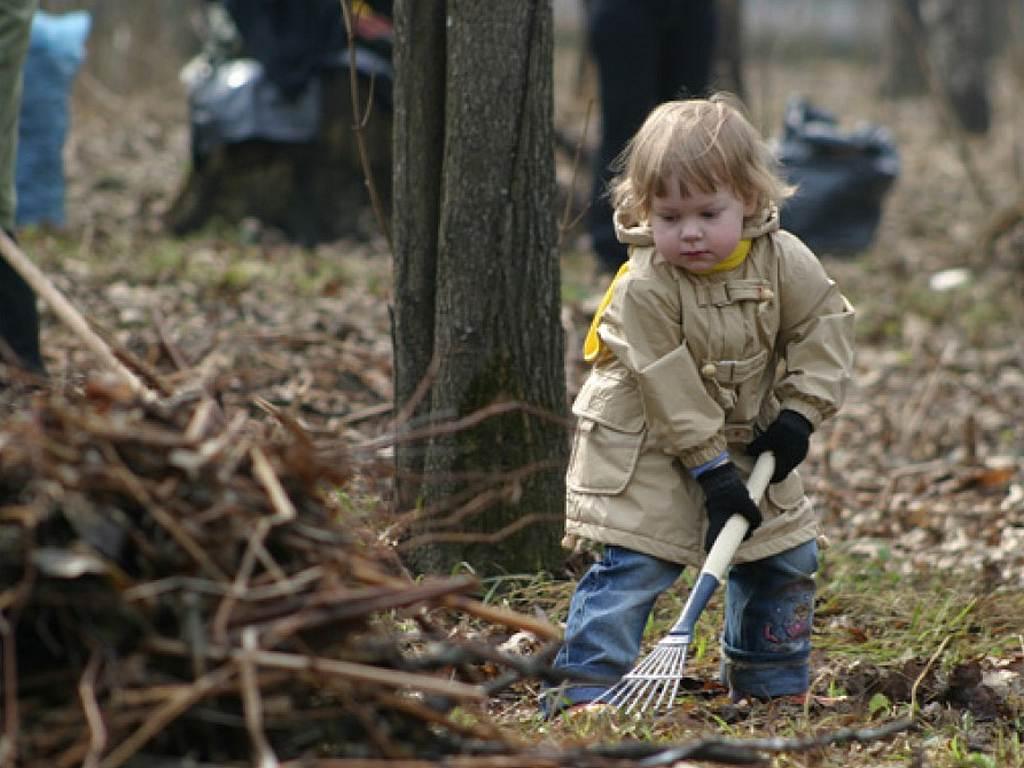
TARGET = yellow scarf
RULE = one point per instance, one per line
(592, 342)
(733, 260)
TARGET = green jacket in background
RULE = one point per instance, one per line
(690, 365)
(15, 25)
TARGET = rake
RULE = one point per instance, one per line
(655, 679)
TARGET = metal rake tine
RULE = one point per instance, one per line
(679, 676)
(614, 694)
(637, 693)
(617, 694)
(656, 674)
(673, 669)
(665, 673)
(625, 690)
(645, 664)
(659, 669)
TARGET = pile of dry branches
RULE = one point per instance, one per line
(176, 583)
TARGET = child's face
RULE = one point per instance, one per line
(697, 231)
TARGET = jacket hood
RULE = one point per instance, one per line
(629, 231)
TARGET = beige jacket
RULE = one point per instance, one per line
(691, 365)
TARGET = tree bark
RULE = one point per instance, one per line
(728, 60)
(477, 264)
(960, 43)
(950, 42)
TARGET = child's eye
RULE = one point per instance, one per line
(709, 214)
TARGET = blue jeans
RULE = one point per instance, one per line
(766, 644)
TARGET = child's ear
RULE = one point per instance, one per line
(750, 207)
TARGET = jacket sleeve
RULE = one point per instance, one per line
(642, 327)
(816, 336)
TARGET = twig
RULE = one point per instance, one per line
(491, 613)
(93, 715)
(913, 420)
(9, 748)
(361, 673)
(284, 510)
(252, 702)
(924, 672)
(364, 673)
(424, 385)
(238, 585)
(451, 427)
(360, 117)
(644, 753)
(467, 502)
(134, 486)
(740, 751)
(477, 538)
(333, 606)
(567, 223)
(164, 715)
(153, 589)
(885, 495)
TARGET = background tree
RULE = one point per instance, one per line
(951, 43)
(477, 287)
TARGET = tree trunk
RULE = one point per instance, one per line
(955, 41)
(727, 66)
(960, 43)
(903, 74)
(477, 282)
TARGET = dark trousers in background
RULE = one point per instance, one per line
(646, 52)
(19, 320)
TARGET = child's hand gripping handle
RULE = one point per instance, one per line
(720, 556)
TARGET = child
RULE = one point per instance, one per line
(721, 337)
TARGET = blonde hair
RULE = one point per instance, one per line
(705, 144)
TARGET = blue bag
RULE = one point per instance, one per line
(56, 51)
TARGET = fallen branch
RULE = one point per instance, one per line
(644, 754)
(748, 751)
(70, 316)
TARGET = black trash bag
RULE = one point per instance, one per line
(842, 179)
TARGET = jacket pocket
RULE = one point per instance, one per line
(609, 435)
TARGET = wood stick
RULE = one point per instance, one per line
(492, 613)
(70, 316)
(93, 715)
(252, 702)
(166, 714)
(348, 670)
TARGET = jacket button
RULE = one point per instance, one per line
(708, 371)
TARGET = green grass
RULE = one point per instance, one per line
(886, 644)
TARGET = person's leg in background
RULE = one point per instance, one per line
(646, 52)
(687, 46)
(19, 318)
(769, 609)
(623, 37)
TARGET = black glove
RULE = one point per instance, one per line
(788, 438)
(724, 496)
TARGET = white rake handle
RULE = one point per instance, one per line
(722, 551)
(728, 541)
